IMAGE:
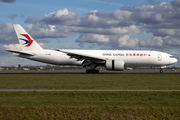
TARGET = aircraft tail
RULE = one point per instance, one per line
(26, 41)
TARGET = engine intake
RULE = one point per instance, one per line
(116, 64)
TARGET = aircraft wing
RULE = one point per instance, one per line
(83, 56)
(21, 53)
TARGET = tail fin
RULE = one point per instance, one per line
(26, 41)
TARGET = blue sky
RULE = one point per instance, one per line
(91, 24)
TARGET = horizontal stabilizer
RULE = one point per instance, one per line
(21, 52)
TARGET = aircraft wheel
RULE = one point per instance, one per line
(92, 71)
(87, 71)
(161, 71)
(97, 71)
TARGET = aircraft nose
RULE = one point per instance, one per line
(175, 60)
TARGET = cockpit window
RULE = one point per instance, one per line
(171, 56)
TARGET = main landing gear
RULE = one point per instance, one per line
(161, 71)
(92, 71)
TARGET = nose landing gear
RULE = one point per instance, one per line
(161, 69)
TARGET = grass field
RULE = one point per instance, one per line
(90, 81)
(90, 99)
(90, 105)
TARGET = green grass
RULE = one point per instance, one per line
(89, 105)
(89, 113)
(90, 81)
(141, 99)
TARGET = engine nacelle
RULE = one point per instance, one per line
(116, 64)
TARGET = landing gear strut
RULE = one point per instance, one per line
(161, 71)
(92, 71)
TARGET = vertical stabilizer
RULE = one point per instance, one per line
(26, 41)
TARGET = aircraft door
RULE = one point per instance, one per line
(159, 57)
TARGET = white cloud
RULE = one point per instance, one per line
(16, 46)
(160, 42)
(134, 29)
(8, 27)
(13, 46)
(31, 19)
(155, 42)
(58, 13)
(93, 18)
(93, 38)
(121, 14)
(103, 31)
(52, 27)
(64, 17)
(47, 31)
(3, 63)
(167, 32)
(115, 28)
(93, 11)
(173, 53)
(127, 42)
(173, 42)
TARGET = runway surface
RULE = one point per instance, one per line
(81, 90)
(86, 73)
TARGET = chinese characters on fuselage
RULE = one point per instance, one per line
(126, 54)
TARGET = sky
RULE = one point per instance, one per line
(91, 24)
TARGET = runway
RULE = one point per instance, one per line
(81, 90)
(89, 73)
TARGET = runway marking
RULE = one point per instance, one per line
(81, 90)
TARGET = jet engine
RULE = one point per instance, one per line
(116, 64)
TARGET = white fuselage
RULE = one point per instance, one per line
(130, 57)
(89, 59)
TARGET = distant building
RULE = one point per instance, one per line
(19, 66)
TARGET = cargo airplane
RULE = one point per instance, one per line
(115, 60)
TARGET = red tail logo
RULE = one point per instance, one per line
(29, 41)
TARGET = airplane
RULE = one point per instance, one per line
(114, 60)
